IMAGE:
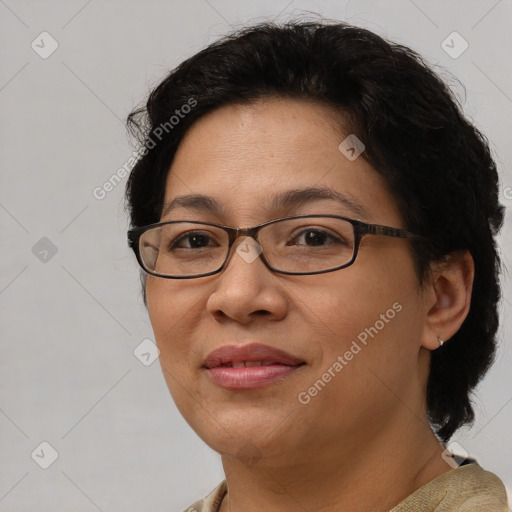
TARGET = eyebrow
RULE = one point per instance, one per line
(286, 200)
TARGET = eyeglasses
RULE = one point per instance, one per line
(298, 245)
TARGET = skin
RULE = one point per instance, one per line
(363, 443)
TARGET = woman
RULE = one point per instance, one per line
(327, 352)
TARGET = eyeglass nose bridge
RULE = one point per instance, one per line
(235, 233)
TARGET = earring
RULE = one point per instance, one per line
(440, 341)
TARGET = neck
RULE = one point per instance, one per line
(371, 472)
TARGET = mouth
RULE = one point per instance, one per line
(250, 366)
(239, 364)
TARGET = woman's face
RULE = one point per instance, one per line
(358, 332)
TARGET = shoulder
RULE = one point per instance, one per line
(211, 502)
(467, 488)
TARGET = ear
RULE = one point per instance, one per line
(448, 297)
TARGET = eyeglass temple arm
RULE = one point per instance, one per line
(375, 229)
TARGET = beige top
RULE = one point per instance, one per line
(464, 489)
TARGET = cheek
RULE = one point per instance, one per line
(373, 316)
(171, 317)
(367, 356)
(171, 313)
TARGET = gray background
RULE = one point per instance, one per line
(71, 320)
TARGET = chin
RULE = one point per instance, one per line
(231, 434)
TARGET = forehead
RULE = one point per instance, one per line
(248, 158)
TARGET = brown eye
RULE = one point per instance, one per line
(192, 240)
(314, 237)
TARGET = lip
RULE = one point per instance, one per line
(276, 364)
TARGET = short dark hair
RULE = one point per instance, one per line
(437, 165)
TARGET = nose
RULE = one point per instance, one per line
(246, 288)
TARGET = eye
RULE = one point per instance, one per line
(314, 237)
(192, 240)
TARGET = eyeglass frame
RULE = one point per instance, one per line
(360, 229)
